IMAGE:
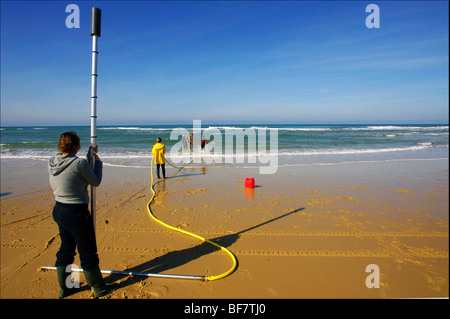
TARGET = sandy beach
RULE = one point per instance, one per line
(305, 232)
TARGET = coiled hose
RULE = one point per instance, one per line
(229, 253)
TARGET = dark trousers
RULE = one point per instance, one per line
(163, 168)
(76, 230)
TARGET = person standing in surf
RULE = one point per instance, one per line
(158, 151)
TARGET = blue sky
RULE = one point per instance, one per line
(171, 62)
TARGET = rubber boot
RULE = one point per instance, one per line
(62, 276)
(94, 279)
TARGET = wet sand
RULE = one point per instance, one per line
(305, 232)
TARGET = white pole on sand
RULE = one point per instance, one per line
(95, 33)
(134, 273)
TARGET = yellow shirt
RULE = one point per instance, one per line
(158, 152)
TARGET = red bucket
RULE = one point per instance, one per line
(250, 182)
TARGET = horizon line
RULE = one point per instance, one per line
(224, 124)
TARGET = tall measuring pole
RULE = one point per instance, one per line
(95, 33)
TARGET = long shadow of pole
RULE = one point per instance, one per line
(177, 258)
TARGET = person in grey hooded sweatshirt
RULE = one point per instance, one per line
(69, 179)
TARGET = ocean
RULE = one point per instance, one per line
(130, 146)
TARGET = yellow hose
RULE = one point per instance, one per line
(179, 168)
(207, 278)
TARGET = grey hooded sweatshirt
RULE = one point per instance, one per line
(70, 177)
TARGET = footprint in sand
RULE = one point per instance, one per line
(160, 292)
(404, 191)
(272, 292)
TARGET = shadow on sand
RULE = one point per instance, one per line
(177, 258)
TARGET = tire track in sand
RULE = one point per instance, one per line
(381, 252)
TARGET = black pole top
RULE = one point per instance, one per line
(96, 18)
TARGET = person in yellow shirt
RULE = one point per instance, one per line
(158, 151)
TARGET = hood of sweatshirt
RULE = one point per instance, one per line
(59, 163)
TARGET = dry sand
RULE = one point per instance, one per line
(304, 232)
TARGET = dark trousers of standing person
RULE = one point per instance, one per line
(76, 230)
(163, 168)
